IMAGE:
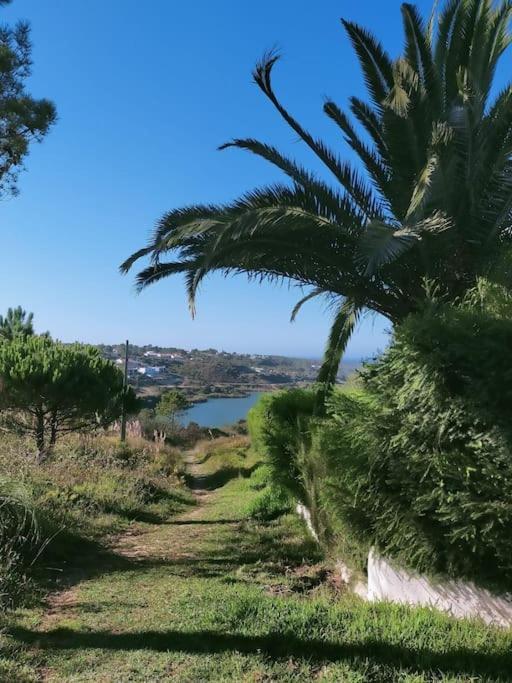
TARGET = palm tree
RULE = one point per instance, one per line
(430, 201)
(17, 323)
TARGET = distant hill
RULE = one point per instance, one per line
(208, 372)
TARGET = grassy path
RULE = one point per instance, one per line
(210, 596)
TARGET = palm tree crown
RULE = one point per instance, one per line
(431, 199)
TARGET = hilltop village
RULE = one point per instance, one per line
(204, 374)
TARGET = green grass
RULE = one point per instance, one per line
(213, 596)
(97, 486)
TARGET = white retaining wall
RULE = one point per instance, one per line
(461, 599)
(387, 582)
(346, 574)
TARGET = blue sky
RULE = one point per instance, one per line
(145, 94)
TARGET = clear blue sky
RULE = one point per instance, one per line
(145, 93)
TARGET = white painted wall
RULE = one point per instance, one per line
(389, 583)
(461, 599)
(346, 574)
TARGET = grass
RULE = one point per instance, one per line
(210, 595)
(97, 486)
(220, 460)
(88, 490)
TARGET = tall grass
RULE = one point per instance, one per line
(19, 535)
(90, 487)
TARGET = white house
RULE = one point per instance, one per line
(149, 371)
(133, 365)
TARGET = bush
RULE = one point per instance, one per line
(420, 459)
(272, 500)
(153, 424)
(279, 426)
(261, 478)
(282, 426)
(417, 458)
(269, 504)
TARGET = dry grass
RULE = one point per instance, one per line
(90, 488)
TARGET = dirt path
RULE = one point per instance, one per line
(142, 542)
(157, 543)
(211, 596)
(196, 549)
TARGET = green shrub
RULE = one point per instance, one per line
(270, 503)
(420, 460)
(416, 458)
(272, 500)
(152, 422)
(279, 427)
(261, 478)
(282, 426)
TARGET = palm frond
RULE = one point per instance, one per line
(158, 271)
(372, 123)
(383, 243)
(445, 31)
(354, 185)
(312, 295)
(331, 204)
(371, 160)
(376, 64)
(419, 54)
(342, 329)
(423, 185)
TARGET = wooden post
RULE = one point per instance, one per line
(125, 386)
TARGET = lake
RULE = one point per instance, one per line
(218, 412)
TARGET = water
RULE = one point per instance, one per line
(218, 412)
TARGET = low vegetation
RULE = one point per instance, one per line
(90, 488)
(213, 595)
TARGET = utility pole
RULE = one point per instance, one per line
(125, 387)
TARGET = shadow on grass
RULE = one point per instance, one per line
(145, 516)
(267, 552)
(273, 542)
(277, 646)
(218, 479)
(68, 560)
(202, 522)
(71, 558)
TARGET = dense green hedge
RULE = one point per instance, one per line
(416, 460)
(282, 426)
(279, 425)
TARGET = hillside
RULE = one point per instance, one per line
(208, 373)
